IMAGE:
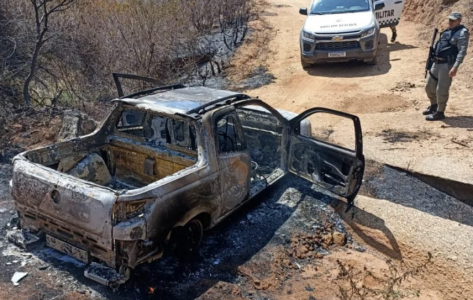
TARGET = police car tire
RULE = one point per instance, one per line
(304, 64)
(373, 62)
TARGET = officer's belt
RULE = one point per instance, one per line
(440, 61)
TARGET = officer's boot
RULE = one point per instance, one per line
(393, 37)
(430, 110)
(435, 117)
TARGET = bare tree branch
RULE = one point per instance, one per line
(41, 30)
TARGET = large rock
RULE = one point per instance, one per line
(339, 238)
(87, 126)
(75, 124)
(93, 169)
(327, 239)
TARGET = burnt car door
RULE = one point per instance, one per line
(233, 158)
(325, 147)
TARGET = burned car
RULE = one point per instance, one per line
(166, 164)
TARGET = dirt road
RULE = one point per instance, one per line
(388, 97)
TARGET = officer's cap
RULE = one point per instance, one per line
(455, 15)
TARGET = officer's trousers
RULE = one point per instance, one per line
(437, 90)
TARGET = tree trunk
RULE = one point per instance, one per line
(34, 62)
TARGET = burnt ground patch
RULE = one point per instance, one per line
(400, 136)
(257, 78)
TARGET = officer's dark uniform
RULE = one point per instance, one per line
(450, 52)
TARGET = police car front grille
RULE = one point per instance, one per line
(345, 37)
(338, 45)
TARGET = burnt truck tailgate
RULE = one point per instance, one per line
(65, 207)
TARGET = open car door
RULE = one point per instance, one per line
(391, 13)
(326, 148)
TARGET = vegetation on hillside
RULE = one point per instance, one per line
(87, 40)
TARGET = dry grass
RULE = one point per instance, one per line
(170, 40)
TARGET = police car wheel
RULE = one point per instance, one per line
(373, 62)
(304, 64)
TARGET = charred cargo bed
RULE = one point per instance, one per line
(165, 165)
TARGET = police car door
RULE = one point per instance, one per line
(326, 148)
(391, 13)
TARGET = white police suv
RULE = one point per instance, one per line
(345, 30)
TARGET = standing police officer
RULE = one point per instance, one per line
(450, 51)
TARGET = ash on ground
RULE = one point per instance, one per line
(257, 78)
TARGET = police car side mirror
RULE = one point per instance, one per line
(303, 11)
(379, 5)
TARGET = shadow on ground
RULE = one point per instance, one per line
(459, 121)
(387, 183)
(358, 218)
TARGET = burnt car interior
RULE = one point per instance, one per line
(228, 138)
(145, 147)
(263, 136)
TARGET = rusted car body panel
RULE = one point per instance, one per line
(155, 164)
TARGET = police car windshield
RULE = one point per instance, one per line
(322, 7)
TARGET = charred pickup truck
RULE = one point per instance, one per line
(166, 164)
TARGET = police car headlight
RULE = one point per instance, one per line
(309, 35)
(368, 32)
